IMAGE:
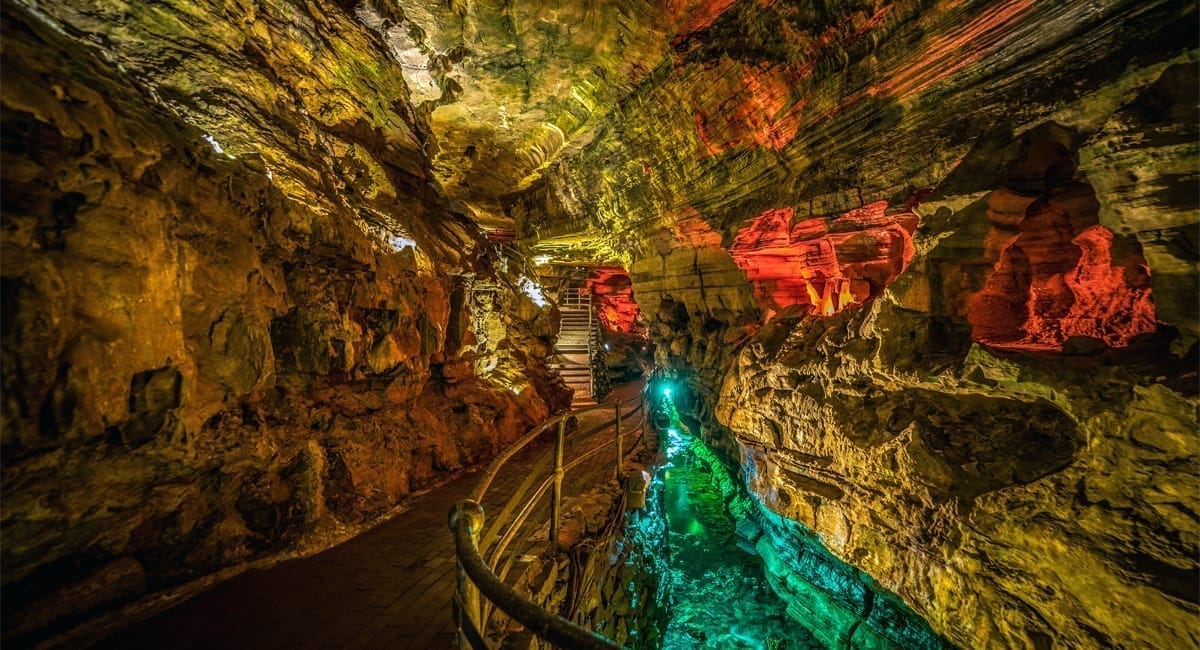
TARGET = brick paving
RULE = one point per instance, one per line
(387, 588)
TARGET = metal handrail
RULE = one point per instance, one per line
(591, 340)
(474, 575)
(519, 520)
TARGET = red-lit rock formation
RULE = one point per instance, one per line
(825, 266)
(1056, 276)
(612, 295)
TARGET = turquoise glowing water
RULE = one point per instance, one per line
(720, 595)
(716, 583)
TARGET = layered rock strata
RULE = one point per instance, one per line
(212, 360)
(1000, 430)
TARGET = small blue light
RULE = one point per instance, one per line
(667, 391)
(673, 431)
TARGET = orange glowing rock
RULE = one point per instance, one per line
(844, 296)
(693, 230)
(695, 15)
(757, 108)
(823, 265)
(828, 306)
(1055, 276)
(612, 290)
(944, 56)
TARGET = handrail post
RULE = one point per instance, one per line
(645, 414)
(591, 366)
(468, 593)
(556, 494)
(620, 443)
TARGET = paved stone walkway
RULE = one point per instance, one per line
(387, 588)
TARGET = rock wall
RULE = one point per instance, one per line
(1014, 501)
(214, 359)
(998, 428)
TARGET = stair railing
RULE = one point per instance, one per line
(477, 577)
(591, 351)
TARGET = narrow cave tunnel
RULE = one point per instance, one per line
(900, 299)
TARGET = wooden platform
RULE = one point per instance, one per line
(388, 588)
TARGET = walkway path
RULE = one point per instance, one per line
(387, 588)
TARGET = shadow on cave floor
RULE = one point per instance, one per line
(387, 588)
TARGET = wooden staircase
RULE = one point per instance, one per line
(572, 352)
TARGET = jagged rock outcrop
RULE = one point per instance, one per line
(998, 430)
(211, 360)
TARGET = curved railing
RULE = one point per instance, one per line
(481, 588)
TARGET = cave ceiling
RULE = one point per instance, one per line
(510, 87)
(599, 131)
(604, 133)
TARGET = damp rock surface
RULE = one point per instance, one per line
(211, 360)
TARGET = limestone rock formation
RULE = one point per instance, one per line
(999, 428)
(929, 269)
(213, 359)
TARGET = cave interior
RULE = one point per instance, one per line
(923, 274)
